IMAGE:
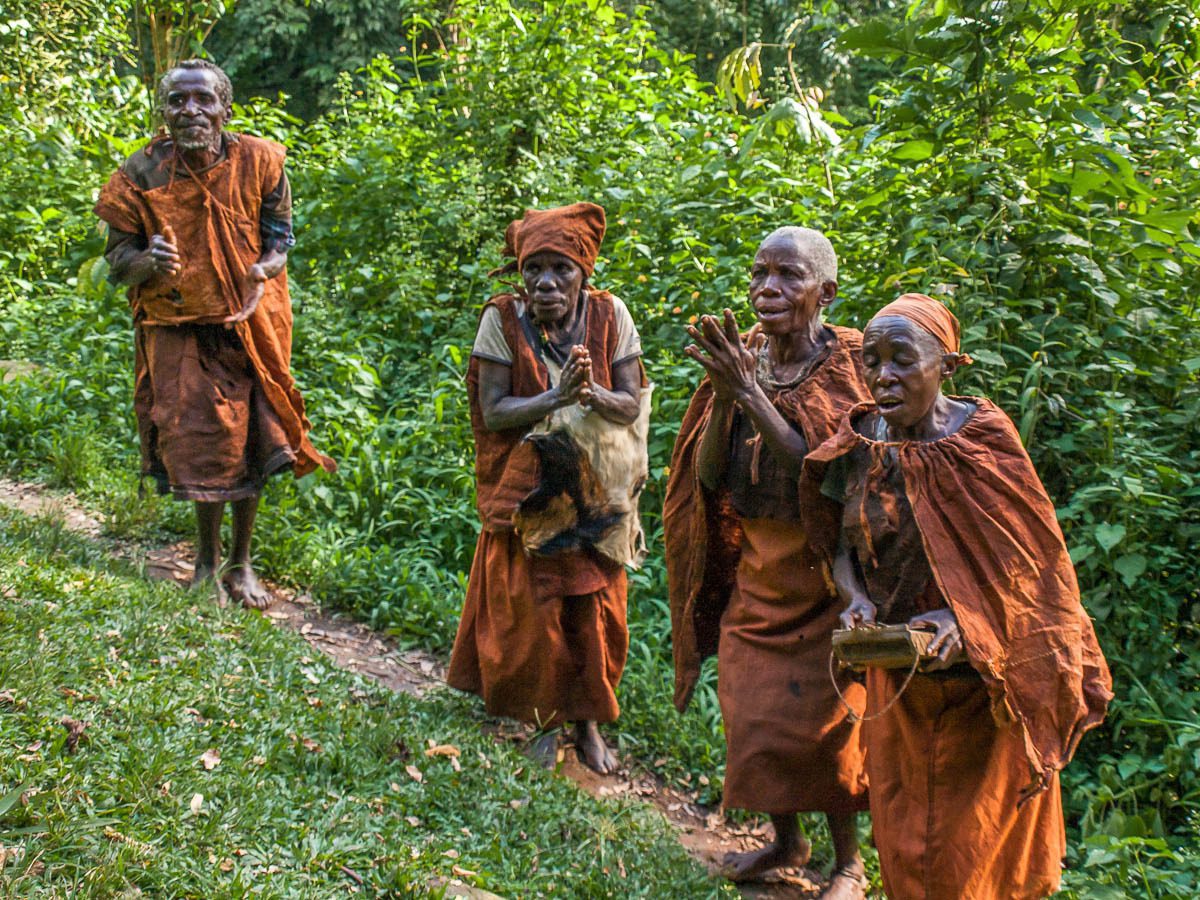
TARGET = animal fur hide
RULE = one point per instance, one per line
(592, 475)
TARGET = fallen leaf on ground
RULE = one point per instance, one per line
(443, 750)
(413, 821)
(197, 804)
(414, 773)
(75, 730)
(462, 873)
(210, 759)
(226, 865)
(452, 854)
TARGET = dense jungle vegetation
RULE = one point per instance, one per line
(1032, 161)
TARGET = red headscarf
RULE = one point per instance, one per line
(929, 315)
(575, 231)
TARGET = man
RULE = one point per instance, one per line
(199, 229)
(743, 579)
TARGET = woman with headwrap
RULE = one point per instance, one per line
(744, 581)
(543, 635)
(946, 526)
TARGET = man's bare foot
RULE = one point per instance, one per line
(848, 882)
(544, 750)
(202, 573)
(754, 864)
(245, 588)
(597, 755)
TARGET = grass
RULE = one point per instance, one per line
(313, 790)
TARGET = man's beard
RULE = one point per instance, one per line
(202, 142)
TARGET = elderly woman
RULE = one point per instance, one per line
(543, 637)
(947, 527)
(743, 578)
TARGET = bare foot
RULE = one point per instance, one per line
(202, 572)
(847, 883)
(754, 864)
(245, 588)
(544, 750)
(597, 755)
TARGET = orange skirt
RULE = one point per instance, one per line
(944, 787)
(791, 747)
(207, 430)
(541, 640)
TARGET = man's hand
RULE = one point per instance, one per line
(860, 612)
(256, 280)
(575, 382)
(162, 255)
(730, 362)
(947, 641)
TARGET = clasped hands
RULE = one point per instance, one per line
(575, 382)
(163, 256)
(947, 643)
(730, 361)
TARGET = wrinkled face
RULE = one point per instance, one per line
(785, 291)
(553, 283)
(904, 366)
(193, 110)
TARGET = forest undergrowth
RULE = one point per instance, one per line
(1036, 167)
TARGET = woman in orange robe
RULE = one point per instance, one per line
(543, 638)
(946, 526)
(744, 580)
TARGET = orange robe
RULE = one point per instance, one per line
(755, 592)
(541, 639)
(178, 397)
(964, 767)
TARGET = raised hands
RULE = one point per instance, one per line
(729, 361)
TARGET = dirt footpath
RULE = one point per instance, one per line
(703, 831)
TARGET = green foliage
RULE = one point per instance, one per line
(310, 44)
(1033, 164)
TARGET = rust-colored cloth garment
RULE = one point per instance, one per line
(541, 639)
(931, 316)
(208, 451)
(945, 781)
(540, 653)
(964, 767)
(215, 217)
(884, 541)
(754, 592)
(999, 558)
(575, 231)
(790, 745)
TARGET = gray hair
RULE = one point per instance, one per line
(815, 247)
(224, 85)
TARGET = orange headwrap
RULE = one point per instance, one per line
(575, 231)
(929, 315)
